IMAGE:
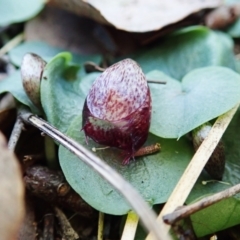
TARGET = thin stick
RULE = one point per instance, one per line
(148, 150)
(146, 215)
(192, 172)
(93, 67)
(156, 81)
(11, 44)
(130, 227)
(100, 226)
(15, 135)
(186, 211)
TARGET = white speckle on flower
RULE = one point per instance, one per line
(119, 91)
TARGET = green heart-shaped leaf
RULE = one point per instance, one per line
(203, 94)
(42, 49)
(62, 91)
(154, 176)
(188, 49)
(61, 98)
(47, 52)
(18, 11)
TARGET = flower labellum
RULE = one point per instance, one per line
(117, 110)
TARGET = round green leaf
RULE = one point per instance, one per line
(188, 49)
(154, 176)
(63, 91)
(234, 29)
(203, 94)
(42, 49)
(47, 52)
(13, 84)
(61, 99)
(18, 11)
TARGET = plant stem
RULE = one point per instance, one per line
(130, 227)
(50, 153)
(100, 226)
(146, 215)
(11, 44)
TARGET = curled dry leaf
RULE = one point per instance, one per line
(223, 16)
(12, 193)
(117, 110)
(128, 15)
(31, 70)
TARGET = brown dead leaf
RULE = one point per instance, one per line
(28, 230)
(223, 16)
(136, 15)
(12, 193)
(62, 29)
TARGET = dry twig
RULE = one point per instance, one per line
(15, 135)
(51, 186)
(186, 211)
(11, 44)
(93, 67)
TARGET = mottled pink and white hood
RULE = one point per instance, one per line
(117, 110)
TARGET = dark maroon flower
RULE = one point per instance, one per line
(117, 110)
